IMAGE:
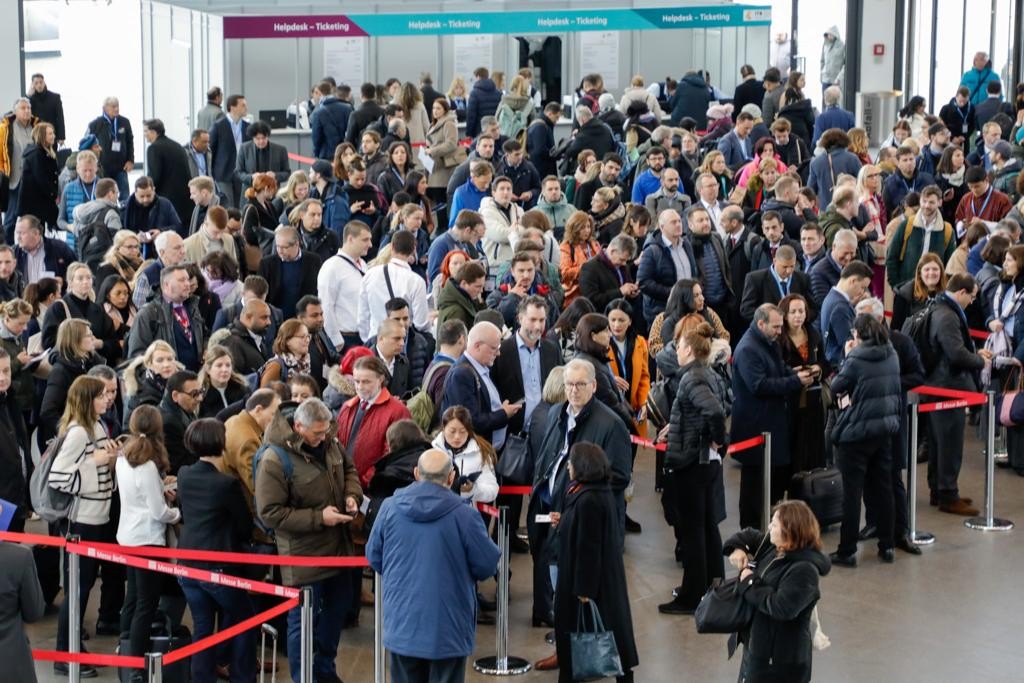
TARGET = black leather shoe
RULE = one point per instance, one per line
(675, 607)
(542, 622)
(907, 546)
(485, 618)
(86, 671)
(632, 526)
(887, 555)
(870, 531)
(108, 628)
(485, 604)
(518, 545)
(843, 560)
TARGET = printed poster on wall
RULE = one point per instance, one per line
(599, 54)
(344, 59)
(472, 51)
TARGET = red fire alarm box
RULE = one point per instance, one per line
(878, 49)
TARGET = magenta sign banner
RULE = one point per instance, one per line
(323, 26)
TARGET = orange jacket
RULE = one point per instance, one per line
(573, 258)
(640, 374)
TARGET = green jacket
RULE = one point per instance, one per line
(904, 251)
(452, 303)
(832, 222)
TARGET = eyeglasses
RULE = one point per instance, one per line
(196, 393)
(577, 386)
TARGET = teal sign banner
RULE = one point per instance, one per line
(561, 21)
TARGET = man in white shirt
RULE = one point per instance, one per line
(707, 196)
(338, 285)
(390, 280)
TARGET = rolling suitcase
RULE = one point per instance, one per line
(268, 630)
(822, 490)
(164, 638)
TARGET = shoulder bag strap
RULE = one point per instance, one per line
(387, 281)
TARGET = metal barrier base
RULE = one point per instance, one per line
(982, 524)
(922, 538)
(514, 666)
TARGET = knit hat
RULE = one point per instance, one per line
(351, 356)
(323, 168)
(751, 109)
(719, 111)
(1003, 148)
(88, 142)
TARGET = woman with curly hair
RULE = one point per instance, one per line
(714, 163)
(578, 247)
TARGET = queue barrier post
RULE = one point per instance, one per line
(74, 606)
(766, 483)
(916, 537)
(154, 667)
(379, 671)
(990, 522)
(306, 626)
(268, 630)
(502, 664)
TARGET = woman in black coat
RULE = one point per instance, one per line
(72, 357)
(779, 574)
(37, 193)
(78, 302)
(593, 339)
(863, 434)
(696, 428)
(798, 111)
(910, 297)
(802, 346)
(590, 566)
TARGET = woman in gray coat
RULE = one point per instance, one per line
(443, 145)
(21, 602)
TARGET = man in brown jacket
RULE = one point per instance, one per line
(244, 437)
(309, 504)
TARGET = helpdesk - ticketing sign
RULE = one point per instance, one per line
(332, 25)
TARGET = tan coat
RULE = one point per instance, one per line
(242, 439)
(443, 147)
(417, 122)
(294, 509)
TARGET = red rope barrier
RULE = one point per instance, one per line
(91, 658)
(515, 490)
(218, 638)
(233, 558)
(34, 539)
(488, 510)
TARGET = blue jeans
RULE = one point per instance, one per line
(11, 215)
(122, 185)
(204, 600)
(331, 600)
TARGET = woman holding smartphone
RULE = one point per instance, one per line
(802, 348)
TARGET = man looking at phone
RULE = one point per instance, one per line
(311, 521)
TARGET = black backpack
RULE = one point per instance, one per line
(94, 240)
(917, 327)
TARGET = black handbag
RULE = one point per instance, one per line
(723, 609)
(515, 466)
(594, 653)
(659, 404)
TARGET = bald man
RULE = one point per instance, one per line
(430, 549)
(248, 343)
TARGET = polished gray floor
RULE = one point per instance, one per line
(953, 614)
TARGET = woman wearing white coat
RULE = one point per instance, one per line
(472, 456)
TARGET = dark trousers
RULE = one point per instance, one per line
(140, 608)
(701, 541)
(232, 190)
(331, 599)
(543, 591)
(901, 510)
(945, 454)
(865, 464)
(87, 578)
(415, 670)
(112, 575)
(205, 600)
(122, 184)
(750, 491)
(11, 216)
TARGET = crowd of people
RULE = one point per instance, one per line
(338, 361)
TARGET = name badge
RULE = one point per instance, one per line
(115, 146)
(963, 128)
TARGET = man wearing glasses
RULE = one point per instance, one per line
(180, 408)
(580, 418)
(291, 272)
(173, 317)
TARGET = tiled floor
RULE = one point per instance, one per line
(951, 615)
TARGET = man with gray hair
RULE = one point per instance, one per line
(430, 550)
(173, 317)
(591, 133)
(832, 115)
(15, 135)
(114, 134)
(582, 417)
(825, 274)
(607, 276)
(311, 519)
(911, 375)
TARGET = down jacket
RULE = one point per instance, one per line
(871, 376)
(698, 418)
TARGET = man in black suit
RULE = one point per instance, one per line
(740, 243)
(167, 165)
(226, 138)
(769, 285)
(812, 246)
(290, 272)
(47, 105)
(389, 345)
(114, 134)
(775, 237)
(249, 343)
(993, 104)
(368, 112)
(179, 408)
(260, 155)
(526, 359)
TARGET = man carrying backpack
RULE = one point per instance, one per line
(917, 234)
(950, 362)
(95, 223)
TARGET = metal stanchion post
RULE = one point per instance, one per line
(306, 626)
(990, 522)
(766, 487)
(154, 667)
(74, 605)
(502, 664)
(916, 537)
(379, 672)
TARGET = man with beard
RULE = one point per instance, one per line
(149, 214)
(248, 343)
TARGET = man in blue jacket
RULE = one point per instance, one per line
(666, 259)
(837, 312)
(329, 122)
(833, 115)
(431, 549)
(484, 98)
